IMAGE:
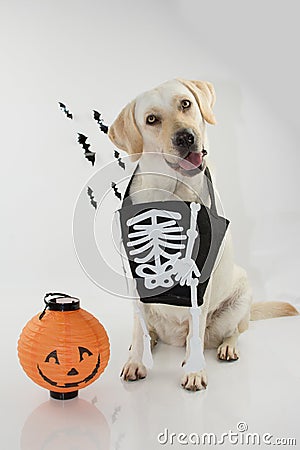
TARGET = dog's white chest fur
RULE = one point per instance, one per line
(171, 323)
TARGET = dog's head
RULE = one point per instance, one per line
(170, 120)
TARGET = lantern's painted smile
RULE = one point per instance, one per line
(71, 384)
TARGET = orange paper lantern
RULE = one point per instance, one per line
(64, 348)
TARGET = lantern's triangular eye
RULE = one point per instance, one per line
(82, 351)
(52, 355)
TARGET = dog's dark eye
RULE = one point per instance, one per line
(151, 119)
(185, 104)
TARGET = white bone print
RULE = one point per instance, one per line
(186, 267)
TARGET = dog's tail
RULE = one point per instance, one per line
(268, 310)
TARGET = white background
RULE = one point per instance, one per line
(99, 55)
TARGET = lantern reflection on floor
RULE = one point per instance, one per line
(70, 425)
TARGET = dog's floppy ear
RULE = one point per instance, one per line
(205, 95)
(125, 134)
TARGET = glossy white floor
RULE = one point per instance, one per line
(260, 390)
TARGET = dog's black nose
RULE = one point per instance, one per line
(184, 139)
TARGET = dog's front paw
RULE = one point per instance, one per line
(227, 352)
(194, 381)
(133, 371)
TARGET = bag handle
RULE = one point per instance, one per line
(211, 191)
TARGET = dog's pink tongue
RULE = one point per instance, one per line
(192, 161)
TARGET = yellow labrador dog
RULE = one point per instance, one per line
(166, 129)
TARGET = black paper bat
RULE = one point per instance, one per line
(117, 156)
(90, 193)
(97, 117)
(65, 110)
(90, 156)
(116, 192)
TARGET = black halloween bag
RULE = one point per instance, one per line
(168, 243)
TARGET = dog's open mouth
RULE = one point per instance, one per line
(192, 161)
(190, 164)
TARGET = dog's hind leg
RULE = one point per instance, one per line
(228, 350)
(227, 323)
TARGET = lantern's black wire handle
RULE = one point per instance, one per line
(56, 296)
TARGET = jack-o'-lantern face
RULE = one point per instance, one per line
(77, 368)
